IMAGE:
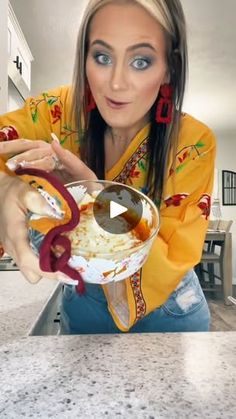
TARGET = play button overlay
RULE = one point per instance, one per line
(118, 209)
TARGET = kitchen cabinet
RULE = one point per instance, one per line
(19, 55)
(3, 55)
(16, 58)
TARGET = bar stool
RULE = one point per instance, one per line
(214, 255)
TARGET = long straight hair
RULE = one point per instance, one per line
(163, 139)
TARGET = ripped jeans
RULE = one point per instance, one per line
(186, 310)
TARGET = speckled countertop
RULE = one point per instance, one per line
(20, 303)
(174, 376)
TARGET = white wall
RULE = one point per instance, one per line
(15, 100)
(3, 55)
(226, 160)
(51, 30)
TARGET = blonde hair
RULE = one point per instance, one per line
(170, 15)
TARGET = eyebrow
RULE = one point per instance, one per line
(131, 48)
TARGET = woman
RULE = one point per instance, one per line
(128, 93)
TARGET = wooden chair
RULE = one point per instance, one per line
(213, 224)
(213, 256)
(224, 225)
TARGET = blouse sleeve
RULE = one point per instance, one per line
(183, 220)
(49, 112)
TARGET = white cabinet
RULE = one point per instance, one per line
(3, 56)
(19, 56)
(15, 58)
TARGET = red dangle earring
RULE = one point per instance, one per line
(165, 105)
(90, 102)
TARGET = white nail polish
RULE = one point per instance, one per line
(24, 163)
(52, 213)
(55, 138)
(11, 164)
(53, 210)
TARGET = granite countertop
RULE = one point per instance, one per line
(174, 376)
(20, 303)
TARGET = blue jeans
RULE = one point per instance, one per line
(186, 310)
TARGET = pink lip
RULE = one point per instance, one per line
(116, 105)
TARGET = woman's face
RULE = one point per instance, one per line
(126, 63)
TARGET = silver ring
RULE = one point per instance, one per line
(57, 164)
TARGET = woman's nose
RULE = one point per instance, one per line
(119, 78)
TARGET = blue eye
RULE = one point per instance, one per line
(102, 59)
(141, 63)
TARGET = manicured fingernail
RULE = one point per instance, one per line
(24, 163)
(55, 138)
(50, 207)
(12, 164)
(54, 214)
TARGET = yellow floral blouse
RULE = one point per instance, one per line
(184, 209)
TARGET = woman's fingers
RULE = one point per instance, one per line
(46, 163)
(16, 197)
(67, 158)
(38, 204)
(19, 146)
(28, 264)
(40, 158)
(27, 153)
(72, 164)
(49, 157)
(20, 249)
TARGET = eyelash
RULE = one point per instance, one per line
(147, 60)
(96, 57)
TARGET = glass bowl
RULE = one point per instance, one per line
(119, 248)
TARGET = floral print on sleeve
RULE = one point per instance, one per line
(204, 204)
(185, 155)
(53, 102)
(8, 133)
(175, 200)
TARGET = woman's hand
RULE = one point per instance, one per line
(49, 157)
(15, 198)
(71, 165)
(28, 153)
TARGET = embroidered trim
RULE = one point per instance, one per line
(140, 304)
(131, 163)
(135, 280)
